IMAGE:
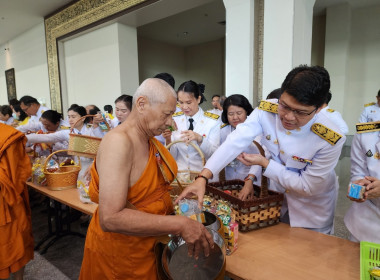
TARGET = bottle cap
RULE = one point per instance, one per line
(184, 207)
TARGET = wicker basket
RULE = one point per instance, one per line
(261, 211)
(83, 145)
(176, 190)
(66, 179)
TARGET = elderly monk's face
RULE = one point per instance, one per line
(161, 115)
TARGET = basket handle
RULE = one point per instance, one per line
(60, 151)
(264, 180)
(84, 117)
(196, 147)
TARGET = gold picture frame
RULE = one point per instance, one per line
(75, 18)
(11, 83)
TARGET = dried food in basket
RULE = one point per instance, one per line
(251, 214)
(61, 180)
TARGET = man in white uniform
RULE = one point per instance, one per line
(34, 109)
(371, 112)
(217, 108)
(304, 148)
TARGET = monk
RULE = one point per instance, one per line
(16, 240)
(131, 167)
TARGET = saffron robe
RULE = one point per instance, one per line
(110, 255)
(16, 239)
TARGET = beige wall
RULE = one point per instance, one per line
(202, 63)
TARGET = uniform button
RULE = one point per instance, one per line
(287, 191)
(288, 133)
(298, 129)
(282, 152)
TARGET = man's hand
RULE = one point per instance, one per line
(167, 134)
(253, 159)
(96, 120)
(197, 237)
(247, 191)
(373, 188)
(361, 182)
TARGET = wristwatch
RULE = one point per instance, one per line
(252, 178)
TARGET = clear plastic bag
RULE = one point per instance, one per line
(83, 189)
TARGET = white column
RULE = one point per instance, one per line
(128, 59)
(239, 47)
(287, 39)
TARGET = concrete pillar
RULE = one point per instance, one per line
(239, 47)
(287, 39)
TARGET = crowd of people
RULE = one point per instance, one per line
(302, 138)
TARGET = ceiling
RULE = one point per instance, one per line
(180, 22)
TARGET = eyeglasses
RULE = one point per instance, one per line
(25, 108)
(297, 113)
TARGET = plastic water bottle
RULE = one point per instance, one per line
(189, 208)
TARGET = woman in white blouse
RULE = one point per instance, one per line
(194, 125)
(236, 109)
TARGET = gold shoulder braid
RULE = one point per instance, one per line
(211, 115)
(268, 106)
(367, 127)
(224, 125)
(330, 110)
(326, 133)
(64, 127)
(369, 104)
(180, 113)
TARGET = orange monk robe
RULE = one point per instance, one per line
(16, 240)
(117, 256)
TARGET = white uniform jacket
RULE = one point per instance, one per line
(236, 169)
(363, 219)
(302, 162)
(9, 121)
(371, 113)
(215, 111)
(34, 123)
(205, 124)
(336, 118)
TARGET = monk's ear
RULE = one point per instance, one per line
(141, 103)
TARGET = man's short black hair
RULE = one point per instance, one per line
(309, 85)
(275, 94)
(215, 95)
(6, 110)
(28, 100)
(167, 78)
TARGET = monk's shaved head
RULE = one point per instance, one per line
(156, 90)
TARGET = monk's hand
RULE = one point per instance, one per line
(167, 134)
(253, 159)
(189, 135)
(247, 191)
(197, 238)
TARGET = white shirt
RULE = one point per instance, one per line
(114, 122)
(371, 113)
(236, 169)
(216, 111)
(34, 123)
(302, 165)
(336, 118)
(207, 126)
(363, 219)
(8, 122)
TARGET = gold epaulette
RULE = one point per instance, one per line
(369, 104)
(326, 133)
(268, 106)
(64, 127)
(211, 115)
(224, 125)
(330, 110)
(88, 125)
(180, 113)
(367, 127)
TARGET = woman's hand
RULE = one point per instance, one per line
(253, 159)
(373, 188)
(247, 191)
(190, 135)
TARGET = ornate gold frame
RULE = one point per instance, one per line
(79, 16)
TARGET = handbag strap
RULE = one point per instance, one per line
(167, 164)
